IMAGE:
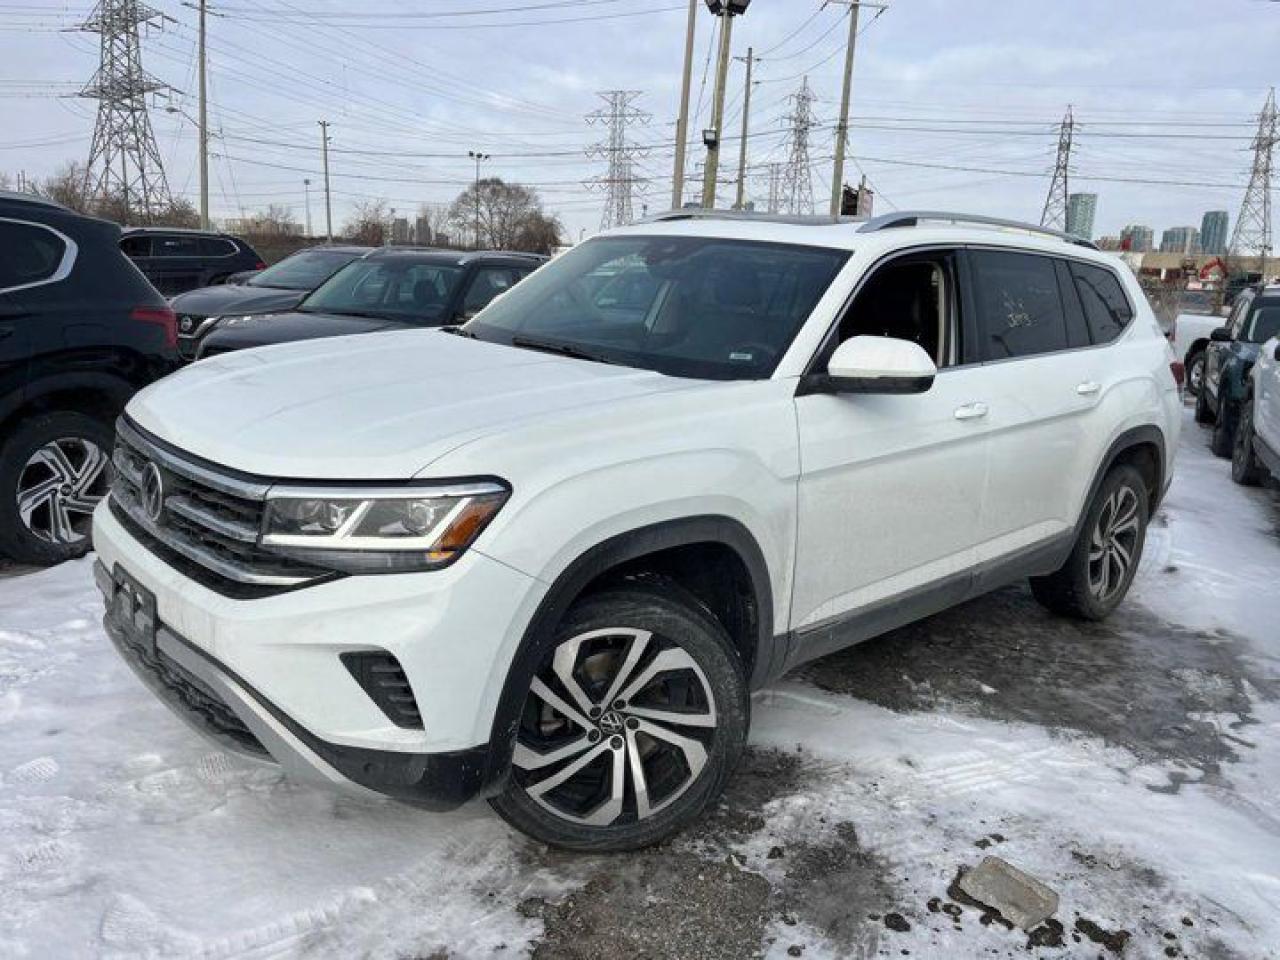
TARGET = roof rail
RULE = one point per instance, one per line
(913, 218)
(30, 198)
(700, 213)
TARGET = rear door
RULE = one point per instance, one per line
(35, 258)
(176, 263)
(1266, 405)
(1045, 382)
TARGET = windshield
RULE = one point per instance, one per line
(397, 288)
(302, 271)
(685, 306)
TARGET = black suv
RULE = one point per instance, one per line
(390, 289)
(1228, 359)
(80, 331)
(177, 260)
(273, 290)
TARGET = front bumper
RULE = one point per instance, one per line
(224, 708)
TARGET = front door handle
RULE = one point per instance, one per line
(1088, 388)
(971, 411)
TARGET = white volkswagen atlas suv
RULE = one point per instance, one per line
(544, 557)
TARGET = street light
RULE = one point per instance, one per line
(727, 10)
(478, 158)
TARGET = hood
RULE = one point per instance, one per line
(288, 327)
(229, 299)
(370, 408)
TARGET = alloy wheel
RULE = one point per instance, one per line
(616, 727)
(59, 487)
(1195, 375)
(1114, 544)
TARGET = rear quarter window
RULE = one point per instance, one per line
(32, 254)
(216, 247)
(1106, 307)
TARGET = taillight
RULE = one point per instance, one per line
(162, 317)
(259, 265)
(1179, 371)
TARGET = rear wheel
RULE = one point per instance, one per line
(53, 473)
(1224, 430)
(1195, 373)
(1103, 562)
(1245, 468)
(632, 722)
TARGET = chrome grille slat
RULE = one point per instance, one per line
(210, 519)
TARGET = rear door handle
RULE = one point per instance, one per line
(1088, 388)
(971, 411)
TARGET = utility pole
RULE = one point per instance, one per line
(842, 128)
(204, 124)
(328, 198)
(741, 201)
(478, 158)
(621, 183)
(1055, 204)
(726, 10)
(682, 122)
(1253, 226)
(306, 189)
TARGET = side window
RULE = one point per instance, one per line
(136, 246)
(1019, 305)
(215, 247)
(31, 254)
(1235, 323)
(175, 246)
(910, 299)
(1264, 323)
(1105, 306)
(487, 283)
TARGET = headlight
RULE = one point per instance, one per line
(379, 530)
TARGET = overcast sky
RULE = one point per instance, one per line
(1163, 90)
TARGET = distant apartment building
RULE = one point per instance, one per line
(422, 232)
(1180, 240)
(1081, 209)
(1213, 232)
(400, 230)
(1138, 238)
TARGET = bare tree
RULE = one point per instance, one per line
(498, 215)
(368, 224)
(539, 233)
(276, 220)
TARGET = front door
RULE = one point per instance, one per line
(891, 486)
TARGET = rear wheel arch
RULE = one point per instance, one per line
(1142, 448)
(98, 395)
(1197, 348)
(708, 558)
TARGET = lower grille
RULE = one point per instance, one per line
(210, 519)
(382, 678)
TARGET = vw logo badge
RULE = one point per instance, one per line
(611, 722)
(152, 492)
(187, 324)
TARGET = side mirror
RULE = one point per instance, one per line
(1277, 353)
(876, 365)
(1220, 335)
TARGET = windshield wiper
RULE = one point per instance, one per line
(458, 331)
(563, 349)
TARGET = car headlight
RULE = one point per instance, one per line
(379, 530)
(236, 321)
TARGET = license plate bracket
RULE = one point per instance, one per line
(133, 608)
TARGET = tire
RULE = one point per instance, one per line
(610, 641)
(1195, 374)
(1224, 430)
(57, 463)
(1245, 468)
(1204, 416)
(1117, 518)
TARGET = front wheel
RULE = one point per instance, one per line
(1195, 374)
(53, 472)
(1103, 562)
(632, 722)
(1245, 468)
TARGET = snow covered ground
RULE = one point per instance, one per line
(1133, 766)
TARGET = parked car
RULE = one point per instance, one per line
(1255, 454)
(177, 260)
(544, 556)
(276, 289)
(80, 331)
(1189, 333)
(1229, 357)
(393, 288)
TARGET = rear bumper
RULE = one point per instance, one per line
(220, 705)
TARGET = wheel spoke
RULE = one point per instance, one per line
(1123, 555)
(639, 783)
(60, 522)
(527, 758)
(695, 755)
(81, 503)
(53, 457)
(540, 689)
(31, 499)
(95, 461)
(674, 716)
(565, 659)
(670, 659)
(635, 650)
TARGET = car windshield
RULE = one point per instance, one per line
(1266, 323)
(684, 306)
(305, 270)
(397, 288)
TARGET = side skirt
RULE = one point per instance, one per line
(857, 626)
